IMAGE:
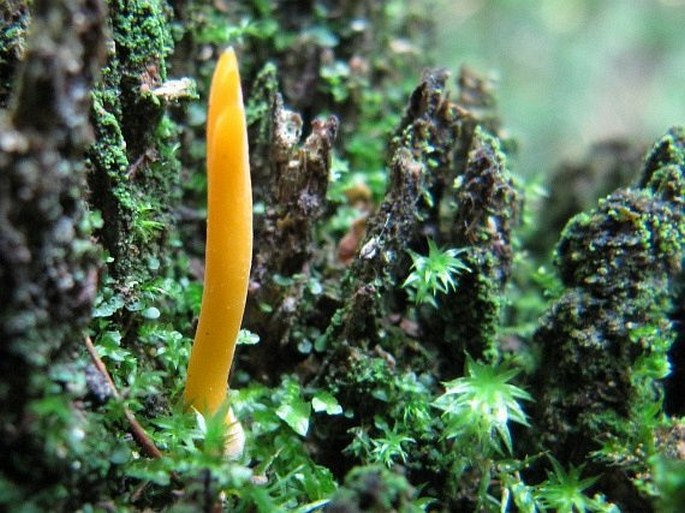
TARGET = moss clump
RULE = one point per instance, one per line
(488, 205)
(135, 175)
(618, 264)
(142, 36)
(576, 186)
(374, 490)
(669, 150)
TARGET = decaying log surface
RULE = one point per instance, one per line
(48, 266)
(294, 203)
(448, 182)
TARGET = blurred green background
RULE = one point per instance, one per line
(572, 72)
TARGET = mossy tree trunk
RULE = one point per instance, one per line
(48, 264)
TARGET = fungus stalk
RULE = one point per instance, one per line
(228, 250)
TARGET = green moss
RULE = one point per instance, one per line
(135, 176)
(669, 477)
(374, 490)
(611, 326)
(109, 150)
(360, 345)
(141, 32)
(487, 207)
(669, 150)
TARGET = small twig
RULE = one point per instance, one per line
(139, 434)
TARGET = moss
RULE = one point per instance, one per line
(363, 376)
(488, 206)
(618, 264)
(371, 346)
(420, 169)
(363, 360)
(141, 33)
(14, 19)
(135, 176)
(576, 186)
(374, 490)
(669, 150)
(607, 251)
(108, 156)
(134, 180)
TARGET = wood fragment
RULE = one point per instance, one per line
(148, 446)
